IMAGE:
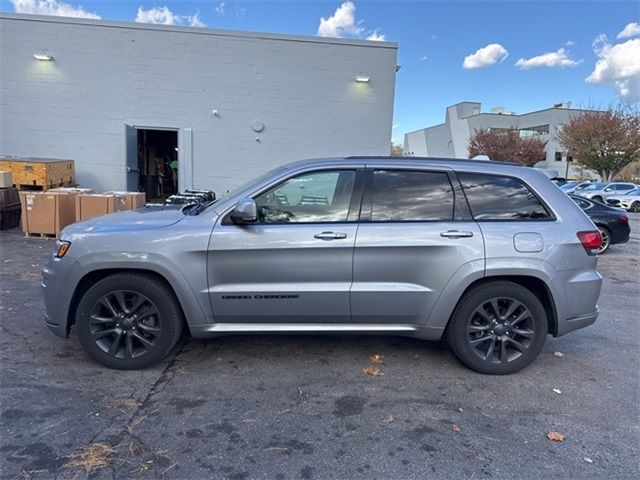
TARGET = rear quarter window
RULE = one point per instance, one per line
(496, 197)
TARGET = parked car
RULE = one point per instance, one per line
(630, 201)
(612, 222)
(490, 256)
(571, 187)
(600, 191)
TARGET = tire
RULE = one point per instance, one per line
(478, 342)
(635, 207)
(129, 321)
(606, 240)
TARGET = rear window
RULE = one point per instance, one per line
(411, 196)
(494, 197)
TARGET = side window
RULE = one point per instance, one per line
(404, 196)
(494, 197)
(315, 197)
(583, 204)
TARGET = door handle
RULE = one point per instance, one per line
(330, 236)
(456, 234)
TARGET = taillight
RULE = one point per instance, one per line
(624, 218)
(591, 241)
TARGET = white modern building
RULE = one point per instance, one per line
(227, 105)
(451, 138)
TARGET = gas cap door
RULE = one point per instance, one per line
(528, 242)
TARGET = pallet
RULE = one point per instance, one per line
(39, 174)
(40, 235)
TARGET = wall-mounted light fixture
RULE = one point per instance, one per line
(44, 56)
(362, 79)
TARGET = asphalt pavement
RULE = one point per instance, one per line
(301, 407)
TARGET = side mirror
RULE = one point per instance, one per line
(245, 211)
(608, 189)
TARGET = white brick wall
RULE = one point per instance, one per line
(107, 74)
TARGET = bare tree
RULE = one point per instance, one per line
(396, 150)
(507, 146)
(603, 141)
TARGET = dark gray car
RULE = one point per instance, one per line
(489, 255)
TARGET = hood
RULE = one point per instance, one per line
(141, 219)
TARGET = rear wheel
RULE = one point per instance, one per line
(497, 328)
(606, 240)
(128, 321)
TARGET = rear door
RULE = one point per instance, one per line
(296, 263)
(415, 234)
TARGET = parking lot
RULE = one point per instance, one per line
(288, 407)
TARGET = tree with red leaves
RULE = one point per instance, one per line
(603, 141)
(507, 146)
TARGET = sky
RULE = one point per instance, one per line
(521, 55)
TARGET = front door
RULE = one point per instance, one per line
(296, 263)
(413, 237)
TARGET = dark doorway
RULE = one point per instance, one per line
(157, 154)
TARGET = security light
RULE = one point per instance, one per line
(362, 79)
(43, 56)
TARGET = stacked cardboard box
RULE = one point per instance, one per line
(135, 200)
(96, 204)
(46, 213)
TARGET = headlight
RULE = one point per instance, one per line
(61, 248)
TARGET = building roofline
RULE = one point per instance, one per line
(530, 113)
(196, 30)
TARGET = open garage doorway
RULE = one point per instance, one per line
(152, 162)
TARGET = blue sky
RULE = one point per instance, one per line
(434, 39)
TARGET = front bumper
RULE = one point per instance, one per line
(57, 288)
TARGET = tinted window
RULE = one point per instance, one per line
(583, 204)
(403, 196)
(316, 197)
(493, 197)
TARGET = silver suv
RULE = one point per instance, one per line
(490, 256)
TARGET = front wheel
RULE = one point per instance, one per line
(635, 207)
(497, 328)
(129, 321)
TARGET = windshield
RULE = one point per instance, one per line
(582, 186)
(594, 186)
(230, 193)
(568, 185)
(635, 192)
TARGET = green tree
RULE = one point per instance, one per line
(603, 141)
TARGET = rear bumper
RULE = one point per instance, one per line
(571, 324)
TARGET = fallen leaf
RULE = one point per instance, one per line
(557, 390)
(555, 436)
(387, 418)
(456, 428)
(373, 371)
(558, 354)
(376, 358)
(588, 460)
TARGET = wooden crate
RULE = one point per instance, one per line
(39, 173)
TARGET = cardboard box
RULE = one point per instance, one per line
(46, 213)
(5, 179)
(72, 190)
(134, 199)
(97, 204)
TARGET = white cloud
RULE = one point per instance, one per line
(423, 58)
(343, 23)
(164, 16)
(219, 8)
(569, 43)
(559, 58)
(485, 56)
(631, 30)
(377, 37)
(618, 64)
(52, 7)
